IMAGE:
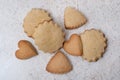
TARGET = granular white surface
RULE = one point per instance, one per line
(101, 14)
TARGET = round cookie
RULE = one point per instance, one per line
(94, 44)
(33, 19)
(49, 37)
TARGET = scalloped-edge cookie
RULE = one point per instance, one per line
(59, 64)
(35, 17)
(49, 37)
(73, 18)
(94, 44)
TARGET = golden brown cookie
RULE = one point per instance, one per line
(94, 44)
(35, 17)
(49, 37)
(73, 18)
(74, 45)
(59, 64)
(26, 50)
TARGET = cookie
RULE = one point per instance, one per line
(33, 18)
(59, 64)
(73, 18)
(74, 45)
(49, 37)
(26, 50)
(94, 44)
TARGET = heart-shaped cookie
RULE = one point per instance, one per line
(74, 45)
(26, 50)
(59, 64)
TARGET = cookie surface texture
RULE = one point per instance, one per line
(94, 44)
(73, 18)
(59, 64)
(26, 50)
(74, 45)
(35, 17)
(49, 37)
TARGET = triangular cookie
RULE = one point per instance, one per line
(73, 18)
(59, 64)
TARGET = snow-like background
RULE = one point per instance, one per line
(101, 14)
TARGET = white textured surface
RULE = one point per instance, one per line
(101, 14)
